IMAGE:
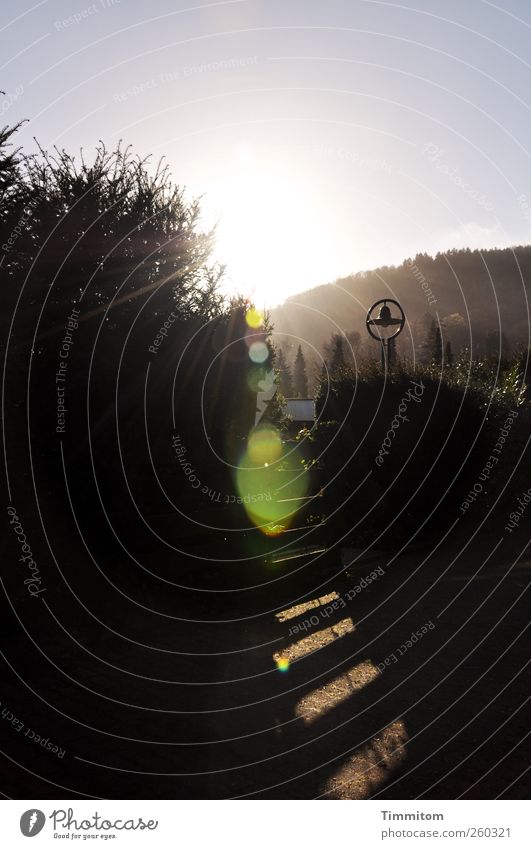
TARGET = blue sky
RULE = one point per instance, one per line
(328, 136)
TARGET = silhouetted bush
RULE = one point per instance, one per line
(119, 336)
(398, 454)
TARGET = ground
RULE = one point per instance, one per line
(149, 699)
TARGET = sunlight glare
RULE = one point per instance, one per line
(271, 233)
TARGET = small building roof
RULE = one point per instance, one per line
(300, 409)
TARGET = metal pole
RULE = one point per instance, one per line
(385, 319)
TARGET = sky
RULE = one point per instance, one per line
(325, 136)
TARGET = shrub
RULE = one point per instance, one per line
(398, 453)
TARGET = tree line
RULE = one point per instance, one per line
(478, 299)
(115, 332)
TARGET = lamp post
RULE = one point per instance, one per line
(385, 320)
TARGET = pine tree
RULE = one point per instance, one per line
(300, 378)
(285, 379)
(337, 363)
(323, 374)
(437, 345)
(449, 356)
(432, 348)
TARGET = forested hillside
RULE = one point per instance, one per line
(480, 298)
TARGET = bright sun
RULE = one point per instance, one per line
(269, 235)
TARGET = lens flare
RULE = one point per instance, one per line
(255, 377)
(271, 481)
(259, 352)
(272, 530)
(254, 318)
(282, 663)
(264, 445)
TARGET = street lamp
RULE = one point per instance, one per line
(384, 321)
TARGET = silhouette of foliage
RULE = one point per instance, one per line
(285, 379)
(473, 291)
(108, 254)
(300, 379)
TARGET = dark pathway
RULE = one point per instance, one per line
(148, 702)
